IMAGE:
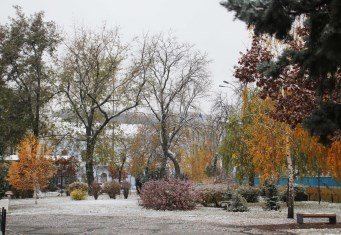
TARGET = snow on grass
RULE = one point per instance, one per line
(130, 208)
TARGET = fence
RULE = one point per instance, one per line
(313, 182)
(3, 221)
(327, 194)
(330, 188)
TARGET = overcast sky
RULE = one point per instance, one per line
(201, 22)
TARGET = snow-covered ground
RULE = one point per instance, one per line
(129, 209)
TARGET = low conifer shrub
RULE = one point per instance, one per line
(271, 198)
(238, 204)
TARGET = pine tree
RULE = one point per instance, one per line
(238, 204)
(271, 201)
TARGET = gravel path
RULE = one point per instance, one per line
(60, 215)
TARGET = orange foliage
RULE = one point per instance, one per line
(309, 145)
(114, 172)
(143, 151)
(334, 159)
(265, 139)
(194, 165)
(34, 169)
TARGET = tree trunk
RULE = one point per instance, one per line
(290, 172)
(163, 172)
(90, 146)
(175, 162)
(167, 153)
(252, 178)
(319, 185)
(215, 165)
(35, 195)
(119, 175)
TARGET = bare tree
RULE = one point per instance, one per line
(177, 77)
(97, 74)
(216, 125)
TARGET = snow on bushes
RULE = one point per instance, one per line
(112, 188)
(169, 194)
(249, 193)
(78, 185)
(238, 204)
(211, 195)
(78, 194)
(96, 189)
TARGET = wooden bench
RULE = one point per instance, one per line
(300, 216)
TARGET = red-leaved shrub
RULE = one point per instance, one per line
(112, 188)
(212, 194)
(96, 189)
(169, 194)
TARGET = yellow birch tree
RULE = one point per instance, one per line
(34, 168)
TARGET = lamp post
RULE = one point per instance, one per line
(243, 90)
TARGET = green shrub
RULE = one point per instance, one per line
(249, 193)
(300, 194)
(228, 194)
(78, 194)
(78, 185)
(52, 187)
(112, 188)
(22, 193)
(238, 204)
(4, 186)
(272, 199)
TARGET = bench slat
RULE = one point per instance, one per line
(300, 216)
(317, 215)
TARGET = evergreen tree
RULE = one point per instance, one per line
(320, 57)
(271, 201)
(238, 204)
